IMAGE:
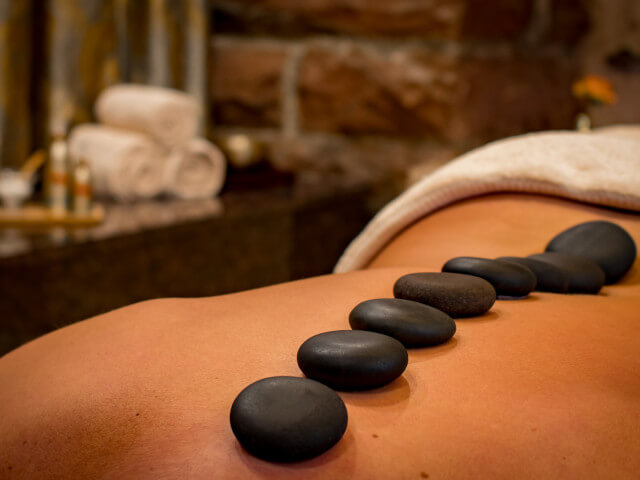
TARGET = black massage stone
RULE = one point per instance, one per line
(352, 359)
(287, 419)
(509, 279)
(585, 276)
(605, 243)
(549, 277)
(412, 323)
(455, 294)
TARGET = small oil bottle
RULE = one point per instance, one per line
(82, 188)
(57, 176)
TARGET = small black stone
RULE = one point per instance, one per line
(412, 323)
(509, 279)
(455, 294)
(549, 277)
(352, 359)
(585, 276)
(605, 243)
(287, 419)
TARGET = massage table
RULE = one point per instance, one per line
(543, 387)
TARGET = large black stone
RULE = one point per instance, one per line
(412, 323)
(606, 243)
(585, 276)
(509, 279)
(455, 294)
(286, 419)
(352, 359)
(549, 277)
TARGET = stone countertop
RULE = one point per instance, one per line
(123, 219)
(171, 248)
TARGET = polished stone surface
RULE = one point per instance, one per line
(509, 279)
(288, 419)
(585, 276)
(455, 294)
(412, 323)
(352, 359)
(549, 277)
(606, 243)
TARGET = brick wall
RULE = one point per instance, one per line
(372, 88)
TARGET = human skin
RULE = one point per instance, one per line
(546, 387)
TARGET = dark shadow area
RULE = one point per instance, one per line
(395, 392)
(529, 298)
(632, 277)
(343, 449)
(487, 317)
(417, 355)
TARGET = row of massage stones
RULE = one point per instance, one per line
(286, 419)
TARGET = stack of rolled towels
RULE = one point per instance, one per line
(146, 143)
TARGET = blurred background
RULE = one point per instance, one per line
(310, 116)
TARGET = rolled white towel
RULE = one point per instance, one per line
(169, 116)
(124, 165)
(197, 170)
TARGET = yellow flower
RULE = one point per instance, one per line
(594, 89)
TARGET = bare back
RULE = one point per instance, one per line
(546, 387)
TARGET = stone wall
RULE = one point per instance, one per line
(372, 88)
(611, 48)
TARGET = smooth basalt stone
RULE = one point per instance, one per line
(605, 243)
(412, 323)
(455, 294)
(287, 419)
(352, 359)
(549, 277)
(585, 276)
(509, 279)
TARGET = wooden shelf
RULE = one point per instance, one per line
(40, 216)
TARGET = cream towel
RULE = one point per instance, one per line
(623, 131)
(124, 165)
(169, 116)
(197, 170)
(598, 169)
